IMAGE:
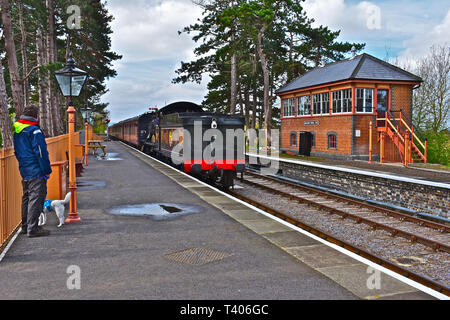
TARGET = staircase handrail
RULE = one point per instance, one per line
(416, 129)
(395, 121)
(388, 121)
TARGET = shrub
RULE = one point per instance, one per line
(439, 147)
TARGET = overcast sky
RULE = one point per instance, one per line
(146, 34)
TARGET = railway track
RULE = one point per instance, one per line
(326, 235)
(437, 236)
(397, 225)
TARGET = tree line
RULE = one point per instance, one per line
(37, 37)
(248, 48)
(431, 100)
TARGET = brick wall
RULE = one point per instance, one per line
(349, 146)
(341, 125)
(401, 98)
(419, 197)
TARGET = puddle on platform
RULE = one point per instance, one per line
(109, 157)
(90, 185)
(154, 211)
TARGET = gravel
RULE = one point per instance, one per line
(414, 256)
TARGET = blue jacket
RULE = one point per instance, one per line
(30, 149)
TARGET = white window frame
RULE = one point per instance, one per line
(340, 101)
(324, 106)
(316, 105)
(364, 108)
(301, 106)
(288, 107)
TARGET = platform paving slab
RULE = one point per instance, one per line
(313, 253)
(124, 257)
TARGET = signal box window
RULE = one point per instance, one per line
(293, 139)
(332, 141)
(304, 105)
(364, 100)
(288, 107)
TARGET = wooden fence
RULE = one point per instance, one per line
(11, 183)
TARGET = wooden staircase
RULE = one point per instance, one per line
(403, 135)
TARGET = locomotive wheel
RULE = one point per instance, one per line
(227, 179)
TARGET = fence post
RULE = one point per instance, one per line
(86, 141)
(382, 147)
(406, 147)
(370, 141)
(3, 213)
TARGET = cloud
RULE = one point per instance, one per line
(420, 44)
(402, 24)
(352, 19)
(147, 30)
(146, 34)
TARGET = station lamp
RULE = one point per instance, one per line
(71, 80)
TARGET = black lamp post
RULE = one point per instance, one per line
(71, 80)
(86, 113)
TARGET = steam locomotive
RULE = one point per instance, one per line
(210, 145)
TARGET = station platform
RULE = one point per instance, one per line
(419, 171)
(202, 246)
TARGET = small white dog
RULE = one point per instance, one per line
(57, 206)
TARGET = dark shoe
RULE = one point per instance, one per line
(38, 233)
(23, 230)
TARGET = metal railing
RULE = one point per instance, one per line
(11, 183)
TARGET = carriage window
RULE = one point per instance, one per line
(332, 141)
(293, 139)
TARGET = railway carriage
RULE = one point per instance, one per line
(202, 143)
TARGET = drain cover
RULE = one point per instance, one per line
(197, 256)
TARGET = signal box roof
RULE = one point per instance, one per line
(362, 67)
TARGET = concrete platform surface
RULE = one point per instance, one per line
(223, 250)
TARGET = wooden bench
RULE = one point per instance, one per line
(79, 159)
(96, 144)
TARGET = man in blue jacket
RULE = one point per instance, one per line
(34, 166)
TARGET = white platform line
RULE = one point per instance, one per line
(3, 254)
(366, 173)
(393, 274)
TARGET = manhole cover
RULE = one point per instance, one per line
(197, 256)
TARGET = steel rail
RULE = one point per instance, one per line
(436, 245)
(426, 281)
(402, 216)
